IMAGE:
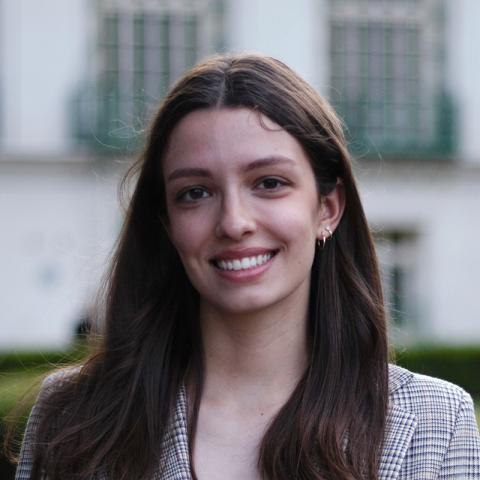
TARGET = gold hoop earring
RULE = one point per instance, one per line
(321, 242)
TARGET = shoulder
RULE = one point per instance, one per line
(61, 376)
(54, 382)
(431, 429)
(418, 393)
(51, 384)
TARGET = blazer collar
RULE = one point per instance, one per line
(397, 377)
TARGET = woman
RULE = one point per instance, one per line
(245, 332)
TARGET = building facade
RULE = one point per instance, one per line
(79, 81)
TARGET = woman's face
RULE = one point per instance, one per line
(243, 208)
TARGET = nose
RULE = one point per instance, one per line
(235, 219)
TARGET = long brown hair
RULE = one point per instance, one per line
(112, 414)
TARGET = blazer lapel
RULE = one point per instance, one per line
(399, 429)
(175, 461)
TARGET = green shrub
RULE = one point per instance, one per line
(25, 360)
(459, 365)
(20, 371)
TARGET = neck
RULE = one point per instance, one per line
(255, 358)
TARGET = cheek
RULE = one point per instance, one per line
(295, 223)
(188, 233)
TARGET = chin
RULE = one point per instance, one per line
(246, 305)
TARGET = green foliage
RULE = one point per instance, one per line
(50, 359)
(15, 384)
(21, 373)
(459, 365)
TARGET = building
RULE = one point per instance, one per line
(79, 80)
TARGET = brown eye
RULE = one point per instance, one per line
(193, 194)
(271, 183)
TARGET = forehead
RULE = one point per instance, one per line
(228, 137)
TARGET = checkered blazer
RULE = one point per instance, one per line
(431, 434)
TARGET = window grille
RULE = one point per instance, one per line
(397, 251)
(143, 46)
(386, 75)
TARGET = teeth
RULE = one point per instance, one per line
(243, 263)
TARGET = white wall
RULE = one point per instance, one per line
(441, 203)
(289, 31)
(59, 221)
(43, 55)
(463, 68)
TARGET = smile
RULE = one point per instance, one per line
(243, 263)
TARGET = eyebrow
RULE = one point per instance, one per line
(259, 163)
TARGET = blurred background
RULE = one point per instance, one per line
(80, 79)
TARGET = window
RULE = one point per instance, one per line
(397, 252)
(143, 47)
(387, 75)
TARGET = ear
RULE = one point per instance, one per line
(331, 210)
